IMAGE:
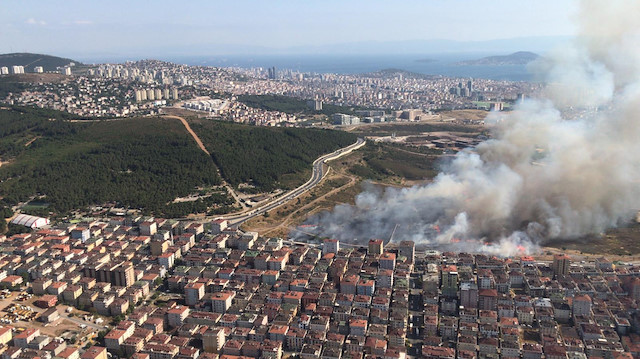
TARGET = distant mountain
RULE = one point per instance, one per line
(29, 61)
(517, 58)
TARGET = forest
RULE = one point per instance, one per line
(140, 163)
(147, 162)
(267, 157)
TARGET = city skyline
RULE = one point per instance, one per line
(249, 27)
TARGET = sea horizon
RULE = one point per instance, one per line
(443, 64)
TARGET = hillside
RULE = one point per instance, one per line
(266, 157)
(147, 163)
(517, 58)
(29, 61)
(142, 163)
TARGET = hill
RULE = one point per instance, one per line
(148, 162)
(517, 58)
(29, 61)
(141, 163)
(266, 157)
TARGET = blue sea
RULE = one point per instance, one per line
(438, 64)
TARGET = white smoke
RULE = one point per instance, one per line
(558, 167)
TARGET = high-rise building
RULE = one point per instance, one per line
(38, 69)
(150, 95)
(138, 95)
(213, 340)
(376, 246)
(66, 71)
(4, 70)
(330, 246)
(174, 93)
(449, 281)
(407, 249)
(470, 86)
(193, 292)
(272, 73)
(158, 94)
(561, 264)
(17, 69)
(121, 274)
(165, 93)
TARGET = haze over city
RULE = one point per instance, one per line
(165, 28)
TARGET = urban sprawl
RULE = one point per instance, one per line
(150, 288)
(145, 87)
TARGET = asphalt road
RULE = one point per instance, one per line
(316, 176)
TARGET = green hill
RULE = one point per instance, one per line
(29, 61)
(142, 163)
(267, 157)
(146, 162)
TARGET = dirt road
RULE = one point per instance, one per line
(204, 149)
(193, 134)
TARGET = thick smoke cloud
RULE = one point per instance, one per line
(557, 167)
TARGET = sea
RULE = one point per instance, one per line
(428, 64)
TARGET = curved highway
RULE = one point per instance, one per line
(317, 175)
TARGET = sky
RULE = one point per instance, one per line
(137, 28)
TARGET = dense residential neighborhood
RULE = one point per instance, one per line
(162, 289)
(146, 87)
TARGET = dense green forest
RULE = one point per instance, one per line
(290, 105)
(267, 157)
(141, 163)
(147, 162)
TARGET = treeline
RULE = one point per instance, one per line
(290, 105)
(265, 156)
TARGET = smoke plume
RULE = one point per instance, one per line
(560, 166)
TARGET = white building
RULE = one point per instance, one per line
(330, 246)
(4, 70)
(344, 120)
(30, 221)
(66, 71)
(38, 69)
(17, 69)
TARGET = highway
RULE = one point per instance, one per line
(316, 176)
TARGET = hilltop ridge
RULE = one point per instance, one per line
(30, 60)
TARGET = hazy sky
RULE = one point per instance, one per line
(119, 28)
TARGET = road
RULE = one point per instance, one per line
(316, 176)
(191, 132)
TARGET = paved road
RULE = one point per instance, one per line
(316, 176)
